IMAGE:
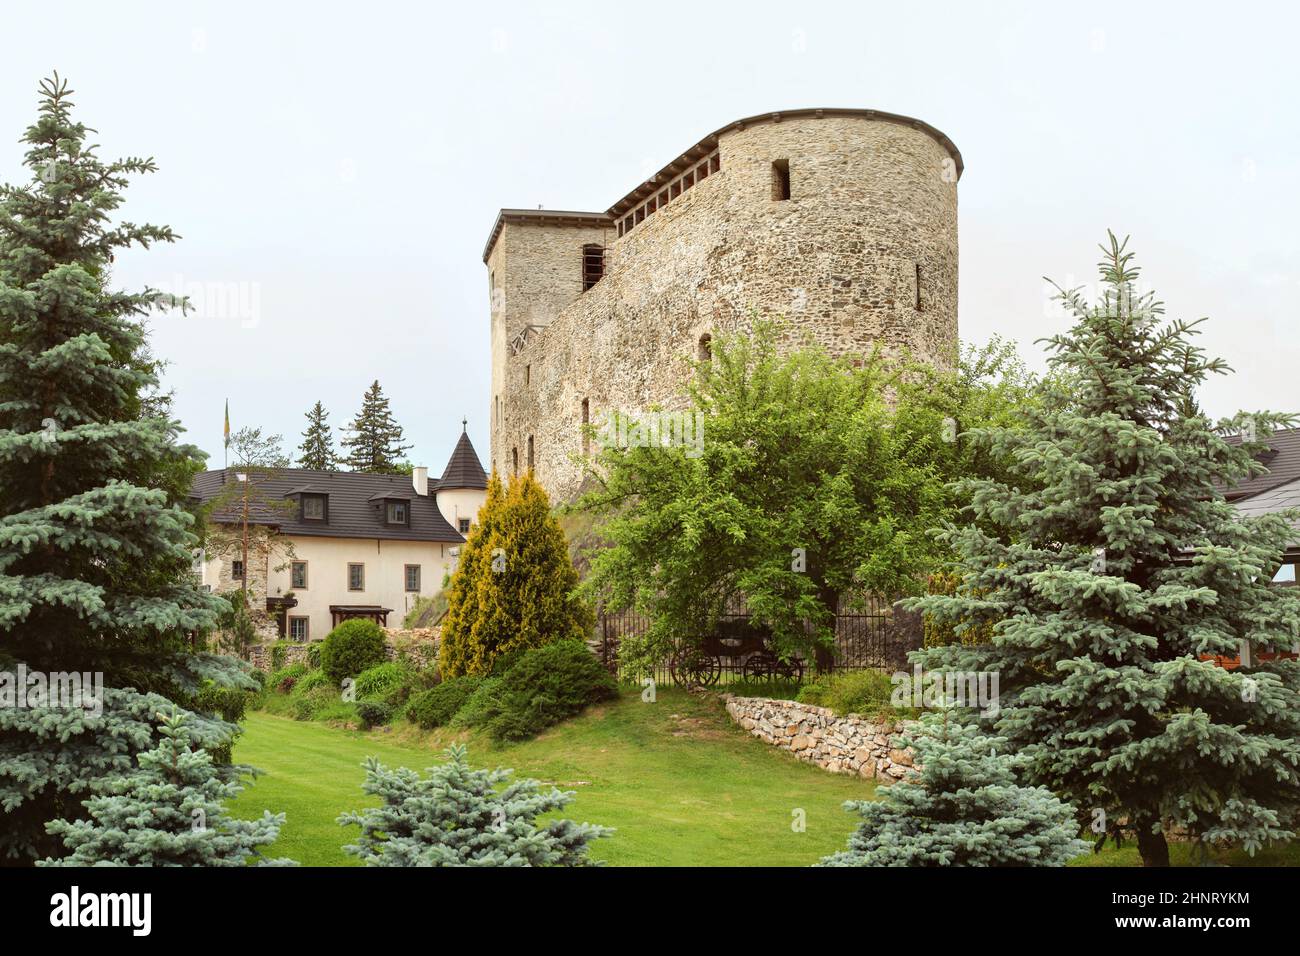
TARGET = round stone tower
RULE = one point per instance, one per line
(842, 223)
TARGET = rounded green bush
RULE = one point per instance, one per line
(350, 648)
(383, 681)
(284, 679)
(475, 709)
(310, 704)
(547, 685)
(434, 707)
(865, 692)
(310, 681)
(229, 703)
(374, 713)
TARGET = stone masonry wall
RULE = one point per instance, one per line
(418, 645)
(850, 744)
(873, 206)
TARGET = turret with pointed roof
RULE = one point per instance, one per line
(464, 469)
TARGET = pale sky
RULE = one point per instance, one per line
(334, 169)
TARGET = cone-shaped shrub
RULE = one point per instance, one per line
(513, 589)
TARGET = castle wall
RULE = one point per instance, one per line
(872, 205)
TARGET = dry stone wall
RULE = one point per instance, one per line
(851, 744)
(418, 645)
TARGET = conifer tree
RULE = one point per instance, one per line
(963, 808)
(458, 816)
(317, 448)
(96, 543)
(1114, 569)
(169, 812)
(374, 439)
(514, 585)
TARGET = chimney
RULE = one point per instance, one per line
(420, 479)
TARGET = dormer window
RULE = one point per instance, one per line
(398, 513)
(315, 508)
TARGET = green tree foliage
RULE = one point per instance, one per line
(351, 648)
(374, 439)
(809, 487)
(458, 816)
(169, 812)
(437, 705)
(96, 541)
(317, 448)
(964, 809)
(1112, 567)
(514, 586)
(52, 758)
(545, 686)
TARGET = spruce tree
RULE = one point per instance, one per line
(169, 812)
(96, 543)
(458, 816)
(514, 584)
(1112, 567)
(374, 439)
(317, 448)
(964, 808)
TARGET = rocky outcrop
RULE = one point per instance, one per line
(851, 744)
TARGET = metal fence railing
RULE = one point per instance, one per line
(869, 633)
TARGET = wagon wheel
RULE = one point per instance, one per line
(691, 666)
(791, 670)
(758, 665)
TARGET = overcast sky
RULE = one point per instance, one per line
(334, 169)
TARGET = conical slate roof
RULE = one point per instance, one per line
(464, 469)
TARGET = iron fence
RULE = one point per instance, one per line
(870, 633)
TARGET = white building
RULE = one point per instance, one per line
(345, 544)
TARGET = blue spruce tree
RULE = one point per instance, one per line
(458, 816)
(95, 540)
(964, 809)
(1110, 566)
(169, 812)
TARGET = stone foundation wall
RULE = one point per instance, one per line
(418, 645)
(851, 744)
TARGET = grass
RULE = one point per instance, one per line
(682, 785)
(679, 782)
(1182, 854)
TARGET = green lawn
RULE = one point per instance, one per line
(682, 785)
(679, 782)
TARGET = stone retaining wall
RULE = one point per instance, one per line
(851, 744)
(418, 645)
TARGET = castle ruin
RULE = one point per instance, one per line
(841, 221)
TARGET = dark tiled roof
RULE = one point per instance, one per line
(356, 503)
(1282, 461)
(464, 469)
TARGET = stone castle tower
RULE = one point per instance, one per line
(841, 221)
